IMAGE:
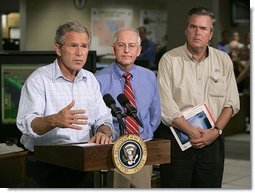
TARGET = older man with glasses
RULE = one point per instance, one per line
(112, 79)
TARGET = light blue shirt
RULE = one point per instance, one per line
(144, 84)
(46, 92)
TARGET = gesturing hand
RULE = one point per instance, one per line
(67, 118)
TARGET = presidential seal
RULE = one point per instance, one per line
(129, 154)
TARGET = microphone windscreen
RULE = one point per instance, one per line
(108, 100)
(123, 100)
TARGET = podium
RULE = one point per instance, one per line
(92, 157)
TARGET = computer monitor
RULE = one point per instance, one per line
(15, 67)
(13, 77)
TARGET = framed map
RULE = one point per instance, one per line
(104, 23)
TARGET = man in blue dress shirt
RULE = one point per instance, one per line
(126, 47)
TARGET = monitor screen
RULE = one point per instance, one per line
(13, 77)
(15, 67)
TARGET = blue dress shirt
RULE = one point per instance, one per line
(145, 87)
(46, 92)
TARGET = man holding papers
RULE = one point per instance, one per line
(189, 75)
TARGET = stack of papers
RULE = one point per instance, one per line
(4, 148)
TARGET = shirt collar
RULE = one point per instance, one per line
(58, 74)
(191, 56)
(119, 72)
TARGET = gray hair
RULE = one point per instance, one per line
(124, 29)
(201, 11)
(72, 26)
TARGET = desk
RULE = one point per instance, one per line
(12, 169)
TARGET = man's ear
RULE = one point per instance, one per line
(139, 52)
(113, 49)
(57, 49)
(211, 35)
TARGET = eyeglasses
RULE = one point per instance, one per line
(122, 46)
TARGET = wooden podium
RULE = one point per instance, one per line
(85, 157)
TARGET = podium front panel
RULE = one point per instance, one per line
(86, 157)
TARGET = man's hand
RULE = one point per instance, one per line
(100, 138)
(103, 135)
(207, 137)
(67, 118)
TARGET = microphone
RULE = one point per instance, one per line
(116, 112)
(123, 100)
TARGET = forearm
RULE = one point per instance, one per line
(224, 117)
(185, 127)
(42, 125)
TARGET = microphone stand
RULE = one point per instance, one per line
(121, 126)
(103, 173)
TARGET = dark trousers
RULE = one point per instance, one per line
(192, 168)
(43, 175)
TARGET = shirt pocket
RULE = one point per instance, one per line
(217, 86)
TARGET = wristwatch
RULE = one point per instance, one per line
(219, 130)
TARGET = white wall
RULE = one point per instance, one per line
(40, 18)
